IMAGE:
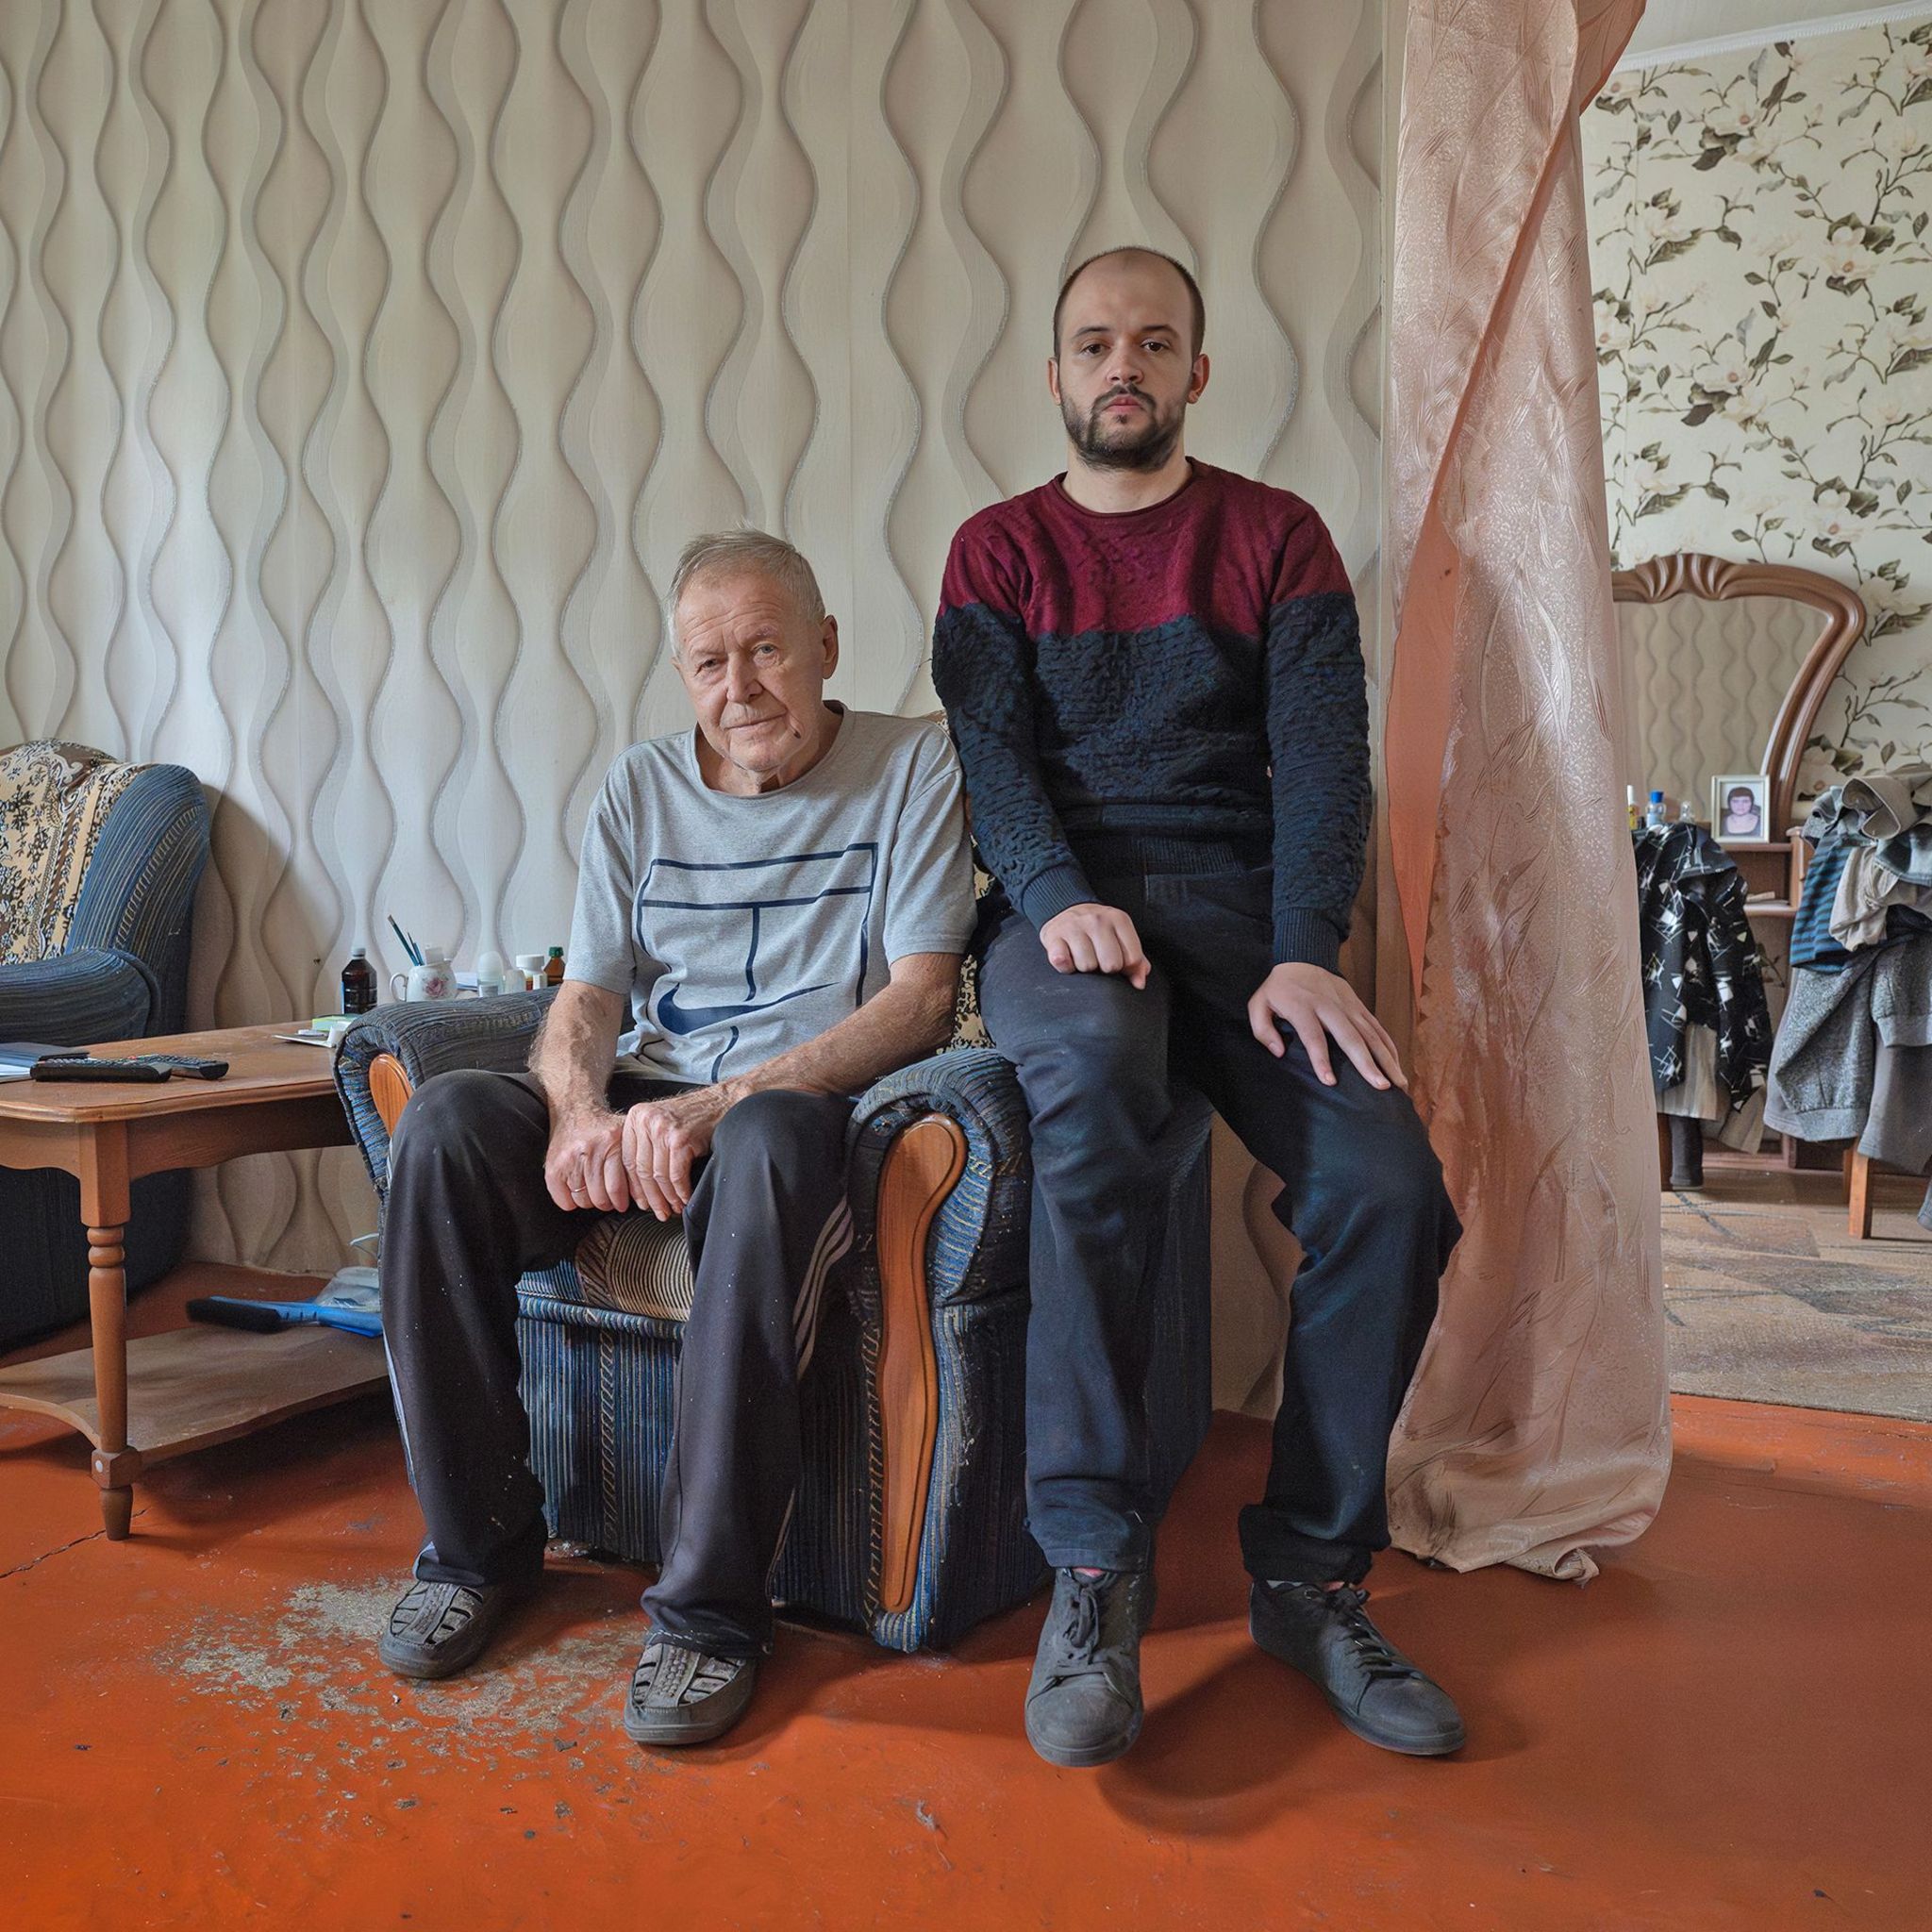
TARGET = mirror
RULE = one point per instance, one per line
(1725, 667)
(1706, 683)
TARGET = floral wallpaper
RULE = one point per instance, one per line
(1760, 248)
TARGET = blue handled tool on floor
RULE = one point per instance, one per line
(227, 1311)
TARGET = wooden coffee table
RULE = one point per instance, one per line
(164, 1394)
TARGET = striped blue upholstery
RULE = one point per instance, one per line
(431, 1036)
(75, 999)
(138, 896)
(599, 1356)
(597, 1386)
(123, 974)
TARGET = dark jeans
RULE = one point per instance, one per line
(1362, 1193)
(468, 1214)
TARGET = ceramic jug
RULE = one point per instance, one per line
(432, 980)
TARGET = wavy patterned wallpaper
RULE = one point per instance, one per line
(364, 366)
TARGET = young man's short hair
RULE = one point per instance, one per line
(1194, 301)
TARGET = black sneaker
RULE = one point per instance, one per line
(1375, 1689)
(1083, 1707)
(438, 1629)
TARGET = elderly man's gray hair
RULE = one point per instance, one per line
(729, 552)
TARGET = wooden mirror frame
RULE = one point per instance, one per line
(1690, 573)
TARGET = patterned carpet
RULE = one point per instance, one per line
(1769, 1298)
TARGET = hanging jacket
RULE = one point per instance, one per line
(1879, 826)
(1701, 965)
(1890, 811)
(1854, 1057)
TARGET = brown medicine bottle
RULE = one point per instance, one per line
(358, 983)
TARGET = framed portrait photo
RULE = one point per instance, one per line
(1741, 806)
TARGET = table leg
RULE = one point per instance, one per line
(1858, 1192)
(102, 1171)
(106, 1295)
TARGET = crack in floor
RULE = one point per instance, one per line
(59, 1550)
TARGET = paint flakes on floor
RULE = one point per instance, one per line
(312, 1655)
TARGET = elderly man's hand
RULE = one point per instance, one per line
(584, 1166)
(662, 1139)
(1316, 1004)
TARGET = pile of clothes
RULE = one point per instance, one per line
(1853, 1059)
(1702, 983)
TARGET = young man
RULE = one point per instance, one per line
(1154, 676)
(770, 913)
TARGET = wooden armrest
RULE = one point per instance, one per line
(921, 1169)
(390, 1087)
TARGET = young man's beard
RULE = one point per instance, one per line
(1148, 449)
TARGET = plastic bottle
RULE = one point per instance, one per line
(552, 967)
(1630, 805)
(531, 970)
(1655, 816)
(358, 983)
(489, 975)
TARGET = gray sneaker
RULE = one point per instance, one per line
(1083, 1707)
(683, 1697)
(1376, 1691)
(438, 1629)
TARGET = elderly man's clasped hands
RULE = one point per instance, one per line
(643, 1156)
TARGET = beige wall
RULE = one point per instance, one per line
(363, 368)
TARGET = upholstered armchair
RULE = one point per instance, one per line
(98, 866)
(909, 1520)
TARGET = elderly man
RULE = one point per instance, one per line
(770, 914)
(1155, 678)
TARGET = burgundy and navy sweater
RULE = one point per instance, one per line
(1193, 670)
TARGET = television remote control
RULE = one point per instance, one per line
(187, 1064)
(146, 1067)
(83, 1068)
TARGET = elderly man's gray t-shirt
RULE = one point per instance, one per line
(742, 927)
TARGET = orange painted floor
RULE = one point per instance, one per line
(1727, 1729)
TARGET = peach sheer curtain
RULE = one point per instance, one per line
(1538, 1427)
